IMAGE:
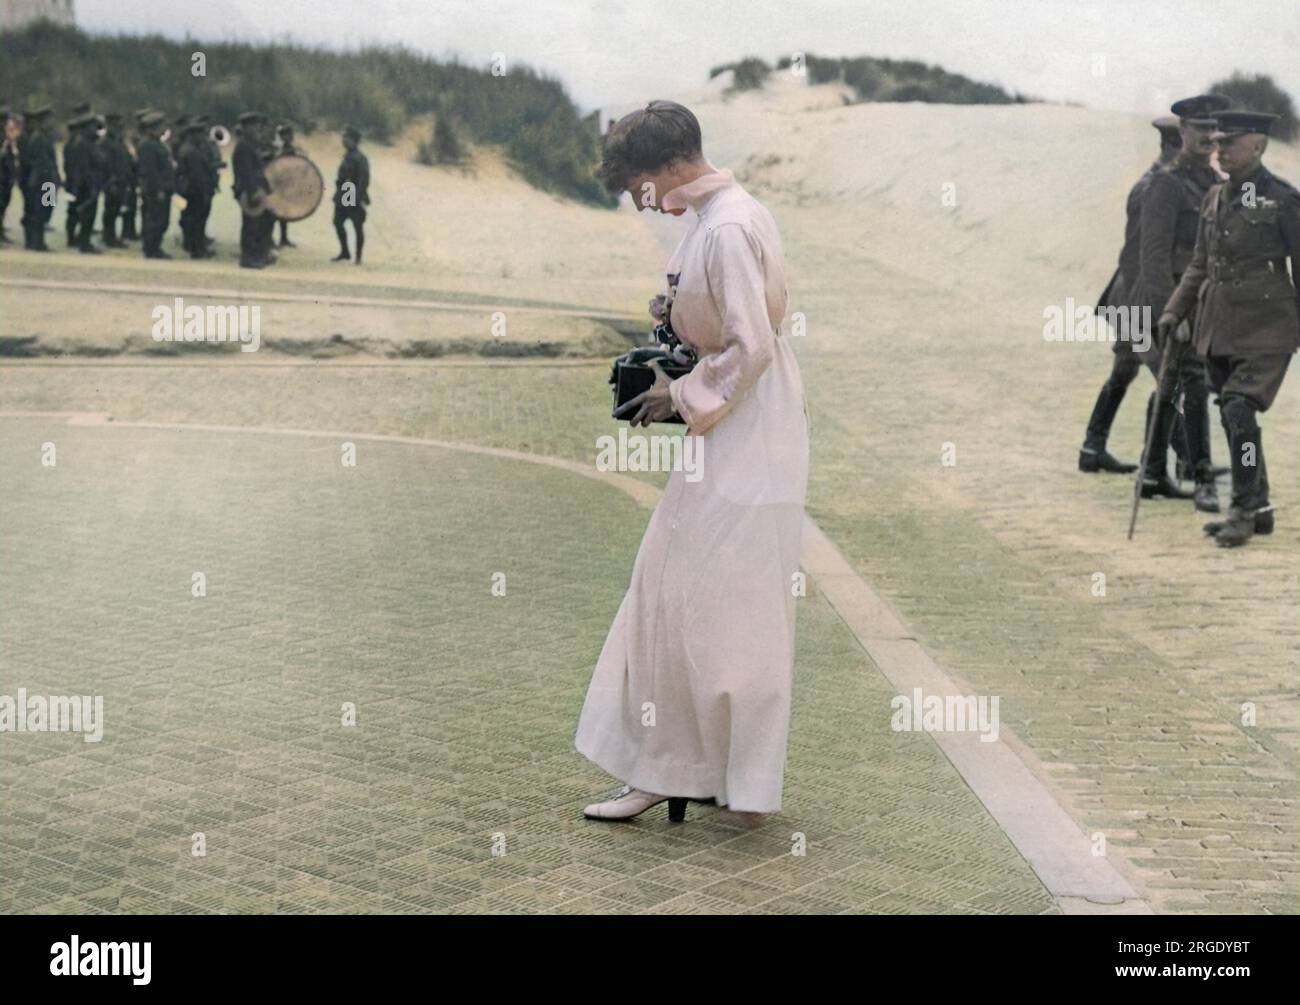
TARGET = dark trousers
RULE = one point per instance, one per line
(194, 220)
(1188, 431)
(35, 216)
(357, 214)
(112, 211)
(155, 216)
(284, 231)
(80, 223)
(1187, 441)
(1246, 386)
(255, 235)
(129, 201)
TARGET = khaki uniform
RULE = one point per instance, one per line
(1248, 311)
(1170, 211)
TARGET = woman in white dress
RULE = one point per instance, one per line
(690, 699)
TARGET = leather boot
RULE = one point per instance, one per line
(1092, 455)
(1156, 482)
(1239, 528)
(1263, 523)
(1101, 460)
(1206, 498)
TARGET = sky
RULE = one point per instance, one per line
(1122, 55)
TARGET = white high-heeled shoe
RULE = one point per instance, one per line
(633, 802)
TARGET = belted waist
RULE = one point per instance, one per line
(1220, 271)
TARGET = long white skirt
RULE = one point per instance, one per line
(691, 694)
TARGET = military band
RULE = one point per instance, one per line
(106, 163)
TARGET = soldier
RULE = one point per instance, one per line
(285, 134)
(351, 194)
(117, 178)
(251, 189)
(10, 165)
(157, 183)
(81, 175)
(176, 133)
(212, 157)
(1093, 455)
(194, 182)
(1170, 210)
(1248, 323)
(39, 176)
(131, 199)
(72, 146)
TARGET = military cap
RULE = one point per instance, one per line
(284, 129)
(203, 120)
(351, 132)
(140, 113)
(193, 126)
(81, 109)
(248, 118)
(113, 118)
(152, 118)
(39, 112)
(84, 119)
(1201, 109)
(1241, 123)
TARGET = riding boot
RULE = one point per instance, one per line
(1155, 477)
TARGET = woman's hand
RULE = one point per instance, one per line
(653, 405)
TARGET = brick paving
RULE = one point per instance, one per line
(370, 585)
(1130, 704)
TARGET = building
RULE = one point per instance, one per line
(16, 13)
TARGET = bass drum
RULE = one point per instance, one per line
(297, 187)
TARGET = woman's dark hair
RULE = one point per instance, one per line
(646, 140)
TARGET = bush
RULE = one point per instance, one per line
(875, 79)
(1260, 94)
(444, 146)
(377, 89)
(747, 75)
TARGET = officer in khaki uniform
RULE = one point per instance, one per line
(1170, 210)
(1093, 455)
(1248, 323)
